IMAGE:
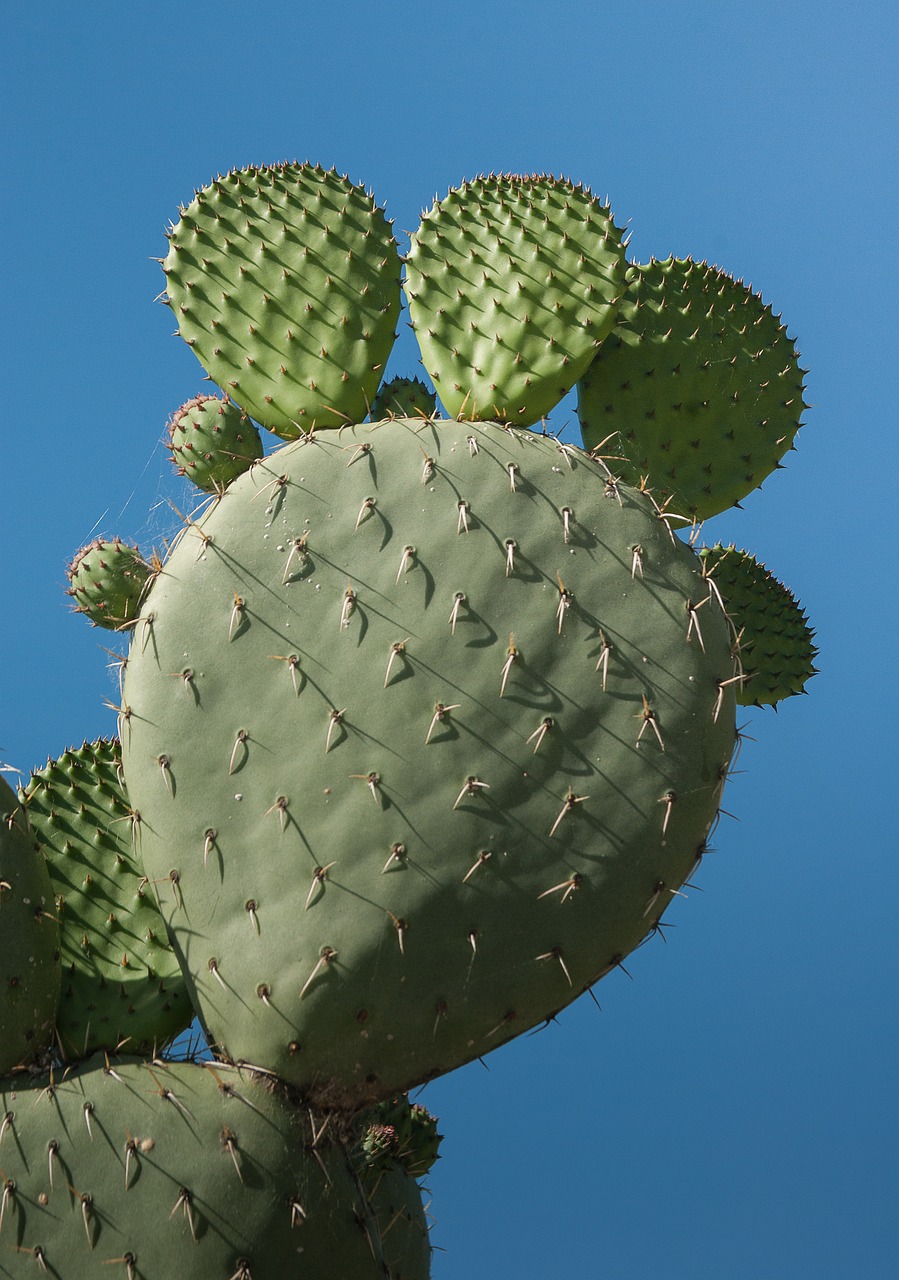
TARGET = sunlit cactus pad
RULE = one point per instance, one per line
(30, 970)
(512, 282)
(106, 580)
(698, 388)
(153, 1171)
(424, 723)
(212, 441)
(777, 650)
(121, 981)
(285, 283)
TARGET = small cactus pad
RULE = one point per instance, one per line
(30, 970)
(399, 1145)
(450, 728)
(403, 398)
(212, 442)
(106, 581)
(512, 283)
(396, 1202)
(777, 648)
(285, 282)
(146, 1171)
(121, 981)
(697, 388)
(399, 1132)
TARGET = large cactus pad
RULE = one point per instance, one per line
(146, 1171)
(449, 729)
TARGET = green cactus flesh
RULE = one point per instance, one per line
(450, 728)
(212, 442)
(403, 398)
(106, 581)
(512, 283)
(149, 1171)
(121, 981)
(285, 282)
(777, 650)
(697, 389)
(30, 970)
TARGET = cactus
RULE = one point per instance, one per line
(122, 985)
(512, 283)
(403, 398)
(30, 969)
(285, 283)
(212, 442)
(453, 722)
(777, 650)
(698, 389)
(107, 580)
(153, 1170)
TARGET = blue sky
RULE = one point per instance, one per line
(732, 1110)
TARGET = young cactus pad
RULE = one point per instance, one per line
(512, 284)
(106, 581)
(121, 980)
(777, 650)
(403, 398)
(147, 1171)
(30, 969)
(697, 389)
(285, 282)
(452, 725)
(212, 442)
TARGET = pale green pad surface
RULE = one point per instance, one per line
(312, 950)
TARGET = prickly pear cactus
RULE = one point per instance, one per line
(30, 969)
(122, 985)
(451, 726)
(147, 1171)
(285, 283)
(777, 650)
(698, 388)
(512, 282)
(403, 398)
(106, 581)
(212, 442)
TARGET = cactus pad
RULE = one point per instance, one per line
(403, 398)
(777, 648)
(30, 970)
(512, 283)
(121, 980)
(149, 1171)
(106, 581)
(212, 442)
(697, 388)
(449, 730)
(285, 282)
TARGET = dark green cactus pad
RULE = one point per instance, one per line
(395, 1199)
(777, 649)
(403, 398)
(399, 1132)
(512, 283)
(399, 1145)
(30, 970)
(697, 389)
(146, 1171)
(212, 441)
(121, 981)
(106, 581)
(451, 725)
(285, 282)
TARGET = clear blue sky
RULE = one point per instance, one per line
(732, 1111)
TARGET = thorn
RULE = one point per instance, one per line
(405, 562)
(462, 522)
(230, 1142)
(428, 468)
(365, 510)
(604, 658)
(722, 685)
(637, 562)
(361, 451)
(326, 955)
(163, 762)
(349, 604)
(401, 926)
(541, 731)
(472, 446)
(184, 1202)
(565, 599)
(239, 741)
(574, 881)
(397, 649)
(556, 954)
(251, 907)
(298, 550)
(510, 556)
(483, 856)
(297, 1212)
(87, 1112)
(512, 469)
(334, 719)
(280, 806)
(512, 653)
(458, 601)
(648, 716)
(373, 781)
(566, 524)
(236, 612)
(213, 967)
(472, 786)
(440, 711)
(293, 666)
(568, 807)
(668, 800)
(397, 853)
